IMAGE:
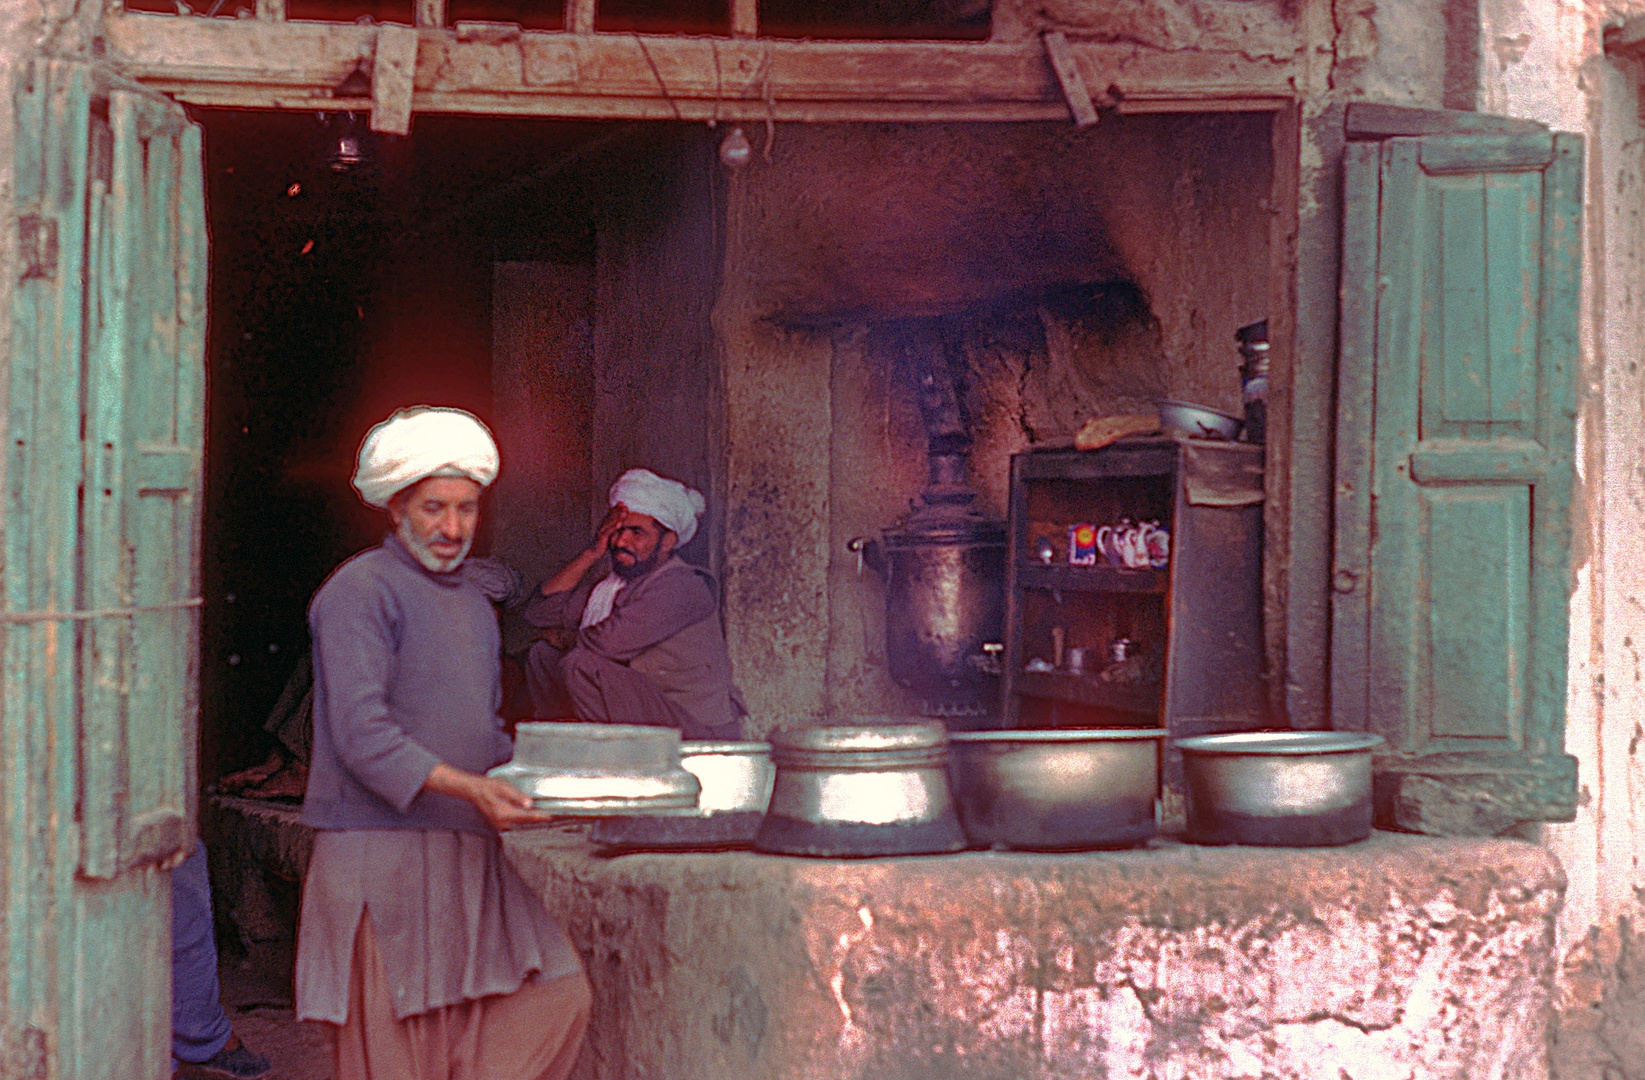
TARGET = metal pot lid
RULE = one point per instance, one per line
(1287, 743)
(888, 735)
(1058, 735)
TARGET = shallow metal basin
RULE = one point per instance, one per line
(1057, 790)
(596, 769)
(1279, 788)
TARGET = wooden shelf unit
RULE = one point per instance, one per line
(1197, 623)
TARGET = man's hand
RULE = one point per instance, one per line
(567, 577)
(559, 637)
(614, 519)
(503, 805)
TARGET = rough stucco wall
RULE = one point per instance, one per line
(851, 226)
(1546, 62)
(1400, 957)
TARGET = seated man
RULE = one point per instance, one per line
(644, 645)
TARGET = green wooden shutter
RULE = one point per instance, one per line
(143, 443)
(101, 544)
(1455, 436)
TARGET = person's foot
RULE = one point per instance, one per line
(236, 1061)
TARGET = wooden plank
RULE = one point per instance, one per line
(430, 14)
(1069, 78)
(1478, 153)
(295, 65)
(580, 15)
(271, 10)
(1467, 462)
(745, 18)
(1369, 121)
(391, 80)
(1356, 383)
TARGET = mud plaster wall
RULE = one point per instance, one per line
(656, 383)
(542, 376)
(993, 237)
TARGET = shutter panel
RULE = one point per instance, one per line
(143, 446)
(1456, 431)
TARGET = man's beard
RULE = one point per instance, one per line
(424, 553)
(640, 569)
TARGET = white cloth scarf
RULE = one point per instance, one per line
(674, 505)
(420, 442)
(598, 608)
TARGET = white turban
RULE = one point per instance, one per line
(417, 443)
(674, 505)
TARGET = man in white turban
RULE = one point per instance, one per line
(419, 945)
(643, 644)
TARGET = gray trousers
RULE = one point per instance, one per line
(606, 692)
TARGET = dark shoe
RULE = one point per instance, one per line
(241, 1063)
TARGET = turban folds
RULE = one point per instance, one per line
(417, 443)
(674, 505)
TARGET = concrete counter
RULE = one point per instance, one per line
(1397, 957)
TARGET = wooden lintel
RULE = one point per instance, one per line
(293, 65)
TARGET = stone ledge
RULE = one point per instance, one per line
(1401, 956)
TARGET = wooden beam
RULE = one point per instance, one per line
(745, 18)
(271, 10)
(392, 71)
(579, 16)
(431, 14)
(1061, 56)
(295, 65)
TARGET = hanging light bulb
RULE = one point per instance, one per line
(734, 149)
(346, 150)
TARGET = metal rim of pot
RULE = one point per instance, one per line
(1057, 735)
(1281, 743)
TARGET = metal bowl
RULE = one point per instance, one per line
(736, 776)
(597, 769)
(1057, 790)
(866, 789)
(1197, 421)
(1279, 788)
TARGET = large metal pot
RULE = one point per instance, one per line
(1279, 788)
(736, 779)
(1057, 790)
(867, 789)
(944, 571)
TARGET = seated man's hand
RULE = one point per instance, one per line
(559, 637)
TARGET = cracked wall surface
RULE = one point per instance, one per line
(1397, 958)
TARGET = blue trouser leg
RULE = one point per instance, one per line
(199, 1027)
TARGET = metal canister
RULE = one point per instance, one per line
(1253, 377)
